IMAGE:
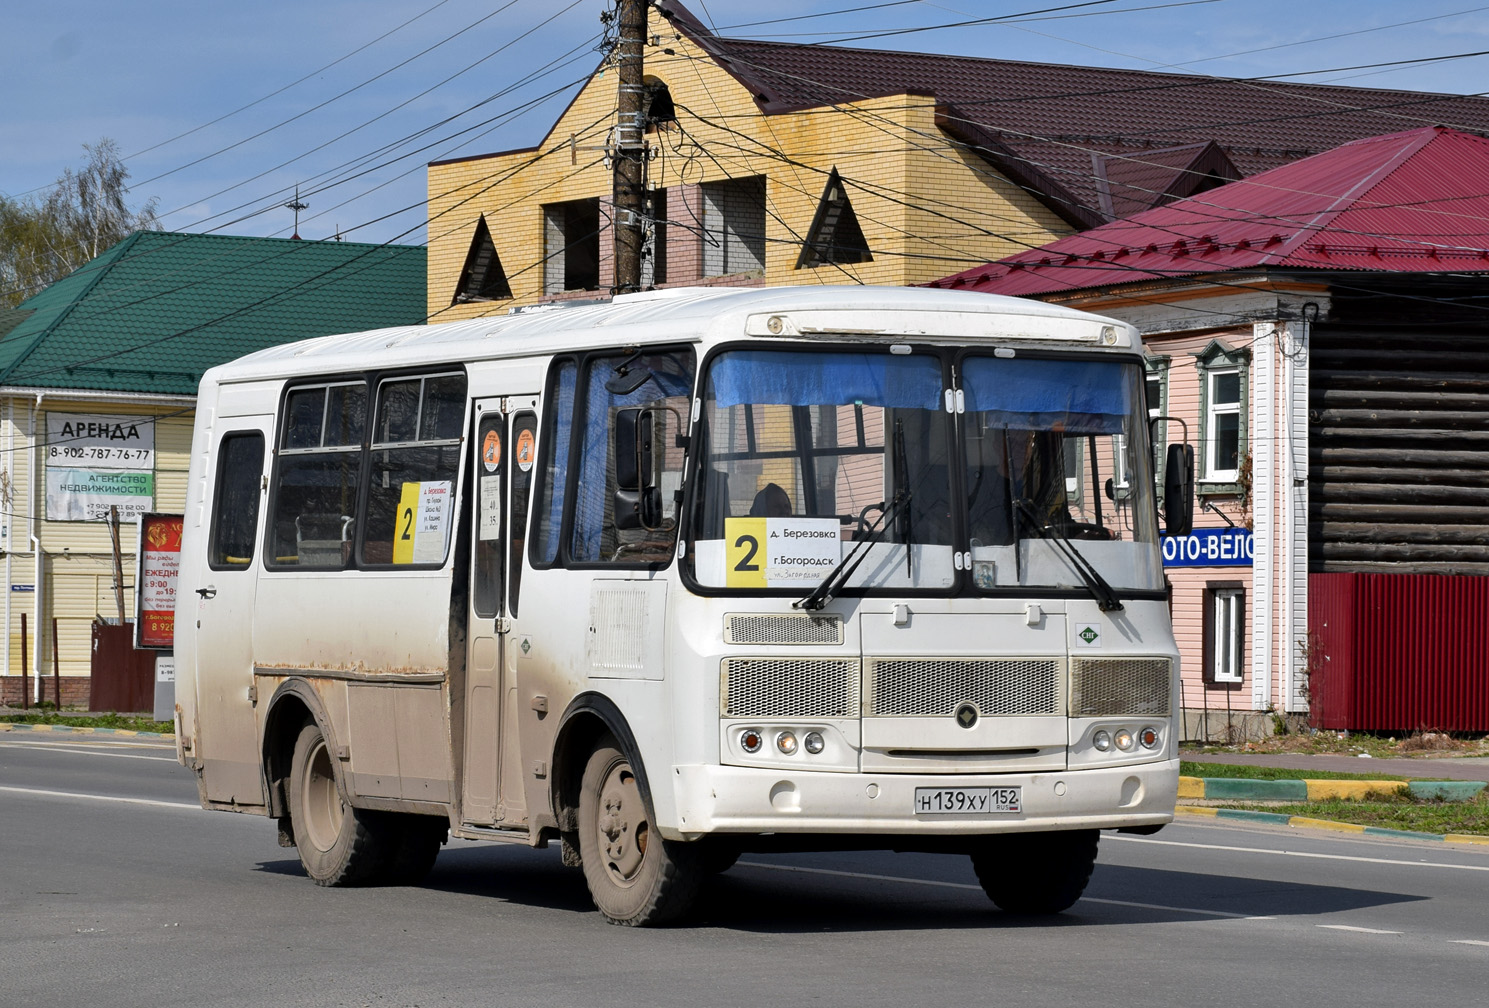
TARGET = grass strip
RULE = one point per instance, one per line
(1390, 812)
(126, 722)
(1190, 768)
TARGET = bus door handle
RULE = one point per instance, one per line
(208, 592)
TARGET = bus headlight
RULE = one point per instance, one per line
(1102, 741)
(814, 742)
(1124, 740)
(786, 743)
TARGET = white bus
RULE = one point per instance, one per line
(681, 575)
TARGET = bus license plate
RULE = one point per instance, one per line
(967, 801)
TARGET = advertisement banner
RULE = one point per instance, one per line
(86, 494)
(100, 441)
(159, 566)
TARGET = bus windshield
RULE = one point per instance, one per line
(848, 463)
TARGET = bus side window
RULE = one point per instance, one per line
(235, 500)
(315, 480)
(662, 382)
(415, 455)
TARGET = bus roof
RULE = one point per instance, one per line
(874, 314)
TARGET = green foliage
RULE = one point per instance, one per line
(1230, 770)
(44, 239)
(1395, 812)
(128, 722)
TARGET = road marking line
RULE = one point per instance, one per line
(978, 888)
(87, 741)
(1346, 927)
(96, 797)
(1468, 941)
(1299, 854)
(59, 747)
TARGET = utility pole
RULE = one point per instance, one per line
(630, 146)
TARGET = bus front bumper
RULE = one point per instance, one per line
(727, 799)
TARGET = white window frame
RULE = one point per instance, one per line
(1226, 626)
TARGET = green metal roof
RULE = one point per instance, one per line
(155, 311)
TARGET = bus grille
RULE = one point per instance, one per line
(790, 628)
(1100, 687)
(936, 687)
(784, 687)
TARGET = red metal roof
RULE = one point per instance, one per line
(1409, 202)
(1042, 124)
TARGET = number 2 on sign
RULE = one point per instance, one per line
(408, 505)
(744, 552)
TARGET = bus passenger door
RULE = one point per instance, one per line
(225, 734)
(502, 465)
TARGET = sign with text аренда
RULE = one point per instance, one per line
(1208, 547)
(96, 461)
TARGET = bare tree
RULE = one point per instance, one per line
(83, 214)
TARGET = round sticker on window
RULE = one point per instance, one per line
(526, 444)
(491, 451)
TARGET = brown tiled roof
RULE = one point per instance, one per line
(1041, 123)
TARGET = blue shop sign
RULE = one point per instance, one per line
(1210, 547)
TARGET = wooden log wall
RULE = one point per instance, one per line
(1399, 450)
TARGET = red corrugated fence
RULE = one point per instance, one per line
(1399, 652)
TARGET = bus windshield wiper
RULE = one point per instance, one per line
(839, 575)
(1106, 597)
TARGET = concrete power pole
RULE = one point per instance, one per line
(630, 147)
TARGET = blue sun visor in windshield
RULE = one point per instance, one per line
(825, 379)
(1088, 397)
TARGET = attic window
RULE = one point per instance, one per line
(657, 105)
(571, 246)
(834, 236)
(482, 278)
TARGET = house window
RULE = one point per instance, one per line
(1222, 373)
(734, 226)
(835, 235)
(571, 246)
(654, 251)
(1225, 633)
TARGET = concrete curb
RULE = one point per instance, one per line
(1278, 819)
(80, 730)
(1246, 789)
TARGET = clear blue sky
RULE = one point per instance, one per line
(222, 109)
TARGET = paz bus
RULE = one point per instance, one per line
(686, 574)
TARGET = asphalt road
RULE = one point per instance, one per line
(116, 890)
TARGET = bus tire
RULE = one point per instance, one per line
(339, 845)
(1036, 873)
(413, 845)
(635, 877)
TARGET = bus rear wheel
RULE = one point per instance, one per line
(635, 877)
(339, 845)
(1036, 873)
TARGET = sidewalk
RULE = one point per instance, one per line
(1449, 768)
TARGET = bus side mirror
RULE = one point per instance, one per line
(1178, 490)
(638, 500)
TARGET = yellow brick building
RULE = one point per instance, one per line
(746, 191)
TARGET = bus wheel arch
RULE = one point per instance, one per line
(589, 718)
(293, 705)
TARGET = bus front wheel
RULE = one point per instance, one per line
(339, 845)
(1036, 873)
(635, 877)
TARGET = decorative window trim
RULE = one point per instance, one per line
(1215, 359)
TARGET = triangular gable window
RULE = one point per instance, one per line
(483, 278)
(834, 236)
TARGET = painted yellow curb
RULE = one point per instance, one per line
(1199, 810)
(1191, 787)
(1466, 838)
(1319, 790)
(1328, 824)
